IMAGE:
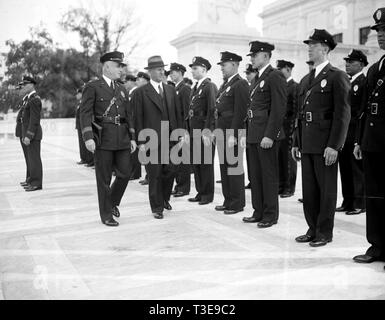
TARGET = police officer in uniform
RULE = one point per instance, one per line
(201, 112)
(371, 148)
(31, 133)
(18, 134)
(321, 133)
(229, 115)
(351, 170)
(105, 101)
(267, 106)
(287, 165)
(86, 157)
(183, 92)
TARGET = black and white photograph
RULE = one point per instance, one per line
(211, 151)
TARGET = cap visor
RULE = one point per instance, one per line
(376, 26)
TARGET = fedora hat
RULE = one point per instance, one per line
(155, 62)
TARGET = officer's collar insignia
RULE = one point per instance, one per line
(262, 84)
(200, 91)
(324, 82)
(379, 15)
(123, 95)
(355, 88)
(195, 59)
(228, 89)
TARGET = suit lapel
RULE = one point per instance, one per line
(103, 84)
(168, 98)
(153, 95)
(321, 76)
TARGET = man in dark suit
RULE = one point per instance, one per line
(201, 118)
(351, 170)
(287, 165)
(370, 146)
(86, 157)
(321, 133)
(156, 107)
(106, 101)
(32, 133)
(183, 91)
(267, 106)
(18, 134)
(229, 115)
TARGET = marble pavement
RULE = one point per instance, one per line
(53, 246)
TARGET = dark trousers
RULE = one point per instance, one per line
(233, 186)
(25, 152)
(109, 196)
(319, 185)
(85, 155)
(374, 171)
(136, 172)
(248, 165)
(35, 166)
(264, 181)
(352, 179)
(204, 174)
(287, 167)
(183, 178)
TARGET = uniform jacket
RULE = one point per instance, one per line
(31, 127)
(291, 108)
(371, 132)
(148, 109)
(183, 91)
(327, 96)
(18, 129)
(77, 117)
(231, 104)
(97, 96)
(202, 105)
(268, 99)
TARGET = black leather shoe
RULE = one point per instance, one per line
(319, 242)
(180, 194)
(111, 223)
(194, 199)
(115, 212)
(80, 162)
(355, 212)
(220, 208)
(24, 184)
(167, 205)
(300, 200)
(173, 192)
(248, 186)
(158, 215)
(304, 239)
(89, 165)
(32, 188)
(144, 182)
(204, 202)
(218, 181)
(251, 220)
(343, 209)
(286, 195)
(229, 212)
(364, 258)
(264, 225)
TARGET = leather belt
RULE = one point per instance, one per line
(252, 113)
(113, 120)
(315, 116)
(193, 113)
(223, 114)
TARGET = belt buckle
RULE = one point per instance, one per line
(216, 114)
(191, 113)
(309, 116)
(374, 108)
(117, 120)
(250, 114)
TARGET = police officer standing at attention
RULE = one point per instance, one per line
(86, 157)
(351, 170)
(287, 165)
(324, 120)
(267, 106)
(183, 92)
(371, 148)
(201, 112)
(229, 114)
(106, 101)
(32, 133)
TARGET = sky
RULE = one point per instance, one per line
(164, 18)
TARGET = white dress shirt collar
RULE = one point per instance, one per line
(201, 81)
(27, 96)
(108, 80)
(229, 79)
(156, 85)
(356, 76)
(260, 72)
(320, 67)
(132, 90)
(289, 79)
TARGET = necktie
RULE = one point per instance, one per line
(112, 85)
(195, 88)
(257, 76)
(161, 91)
(312, 76)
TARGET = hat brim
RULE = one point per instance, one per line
(378, 25)
(156, 66)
